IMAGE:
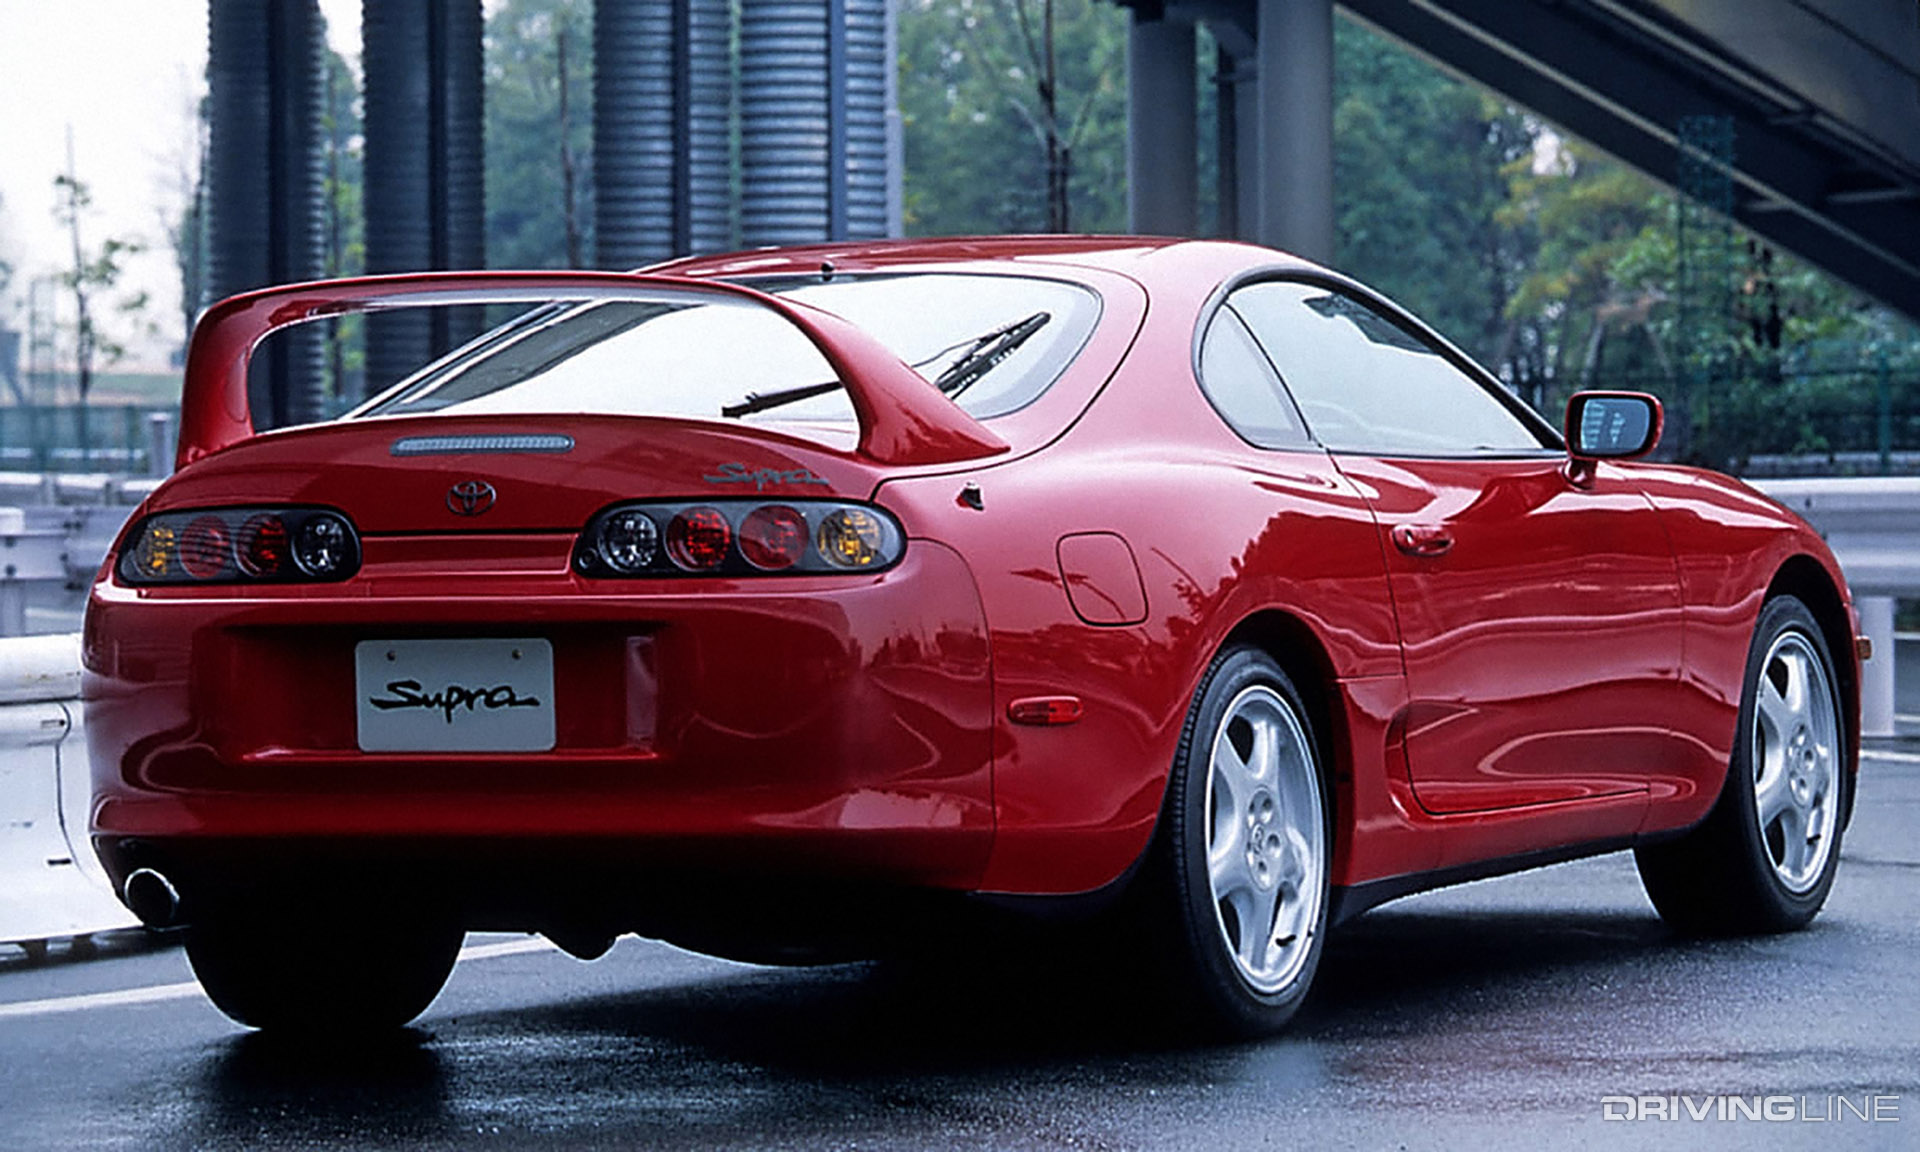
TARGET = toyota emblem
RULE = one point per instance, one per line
(470, 497)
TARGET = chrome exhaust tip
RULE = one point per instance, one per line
(152, 897)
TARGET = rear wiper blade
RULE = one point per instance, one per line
(761, 401)
(987, 353)
(983, 354)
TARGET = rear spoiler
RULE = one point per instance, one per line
(903, 418)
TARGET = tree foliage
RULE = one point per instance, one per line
(93, 274)
(1419, 173)
(539, 74)
(974, 125)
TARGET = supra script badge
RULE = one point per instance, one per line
(761, 477)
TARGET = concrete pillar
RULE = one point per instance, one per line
(1162, 162)
(1877, 675)
(1296, 126)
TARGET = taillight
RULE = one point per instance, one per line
(698, 539)
(852, 538)
(773, 537)
(738, 537)
(240, 545)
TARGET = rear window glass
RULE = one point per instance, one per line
(993, 343)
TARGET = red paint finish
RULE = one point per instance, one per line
(1102, 578)
(681, 711)
(1540, 642)
(1502, 661)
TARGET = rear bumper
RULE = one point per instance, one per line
(823, 726)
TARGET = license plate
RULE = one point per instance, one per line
(454, 695)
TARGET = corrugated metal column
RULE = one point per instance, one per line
(1162, 136)
(1296, 126)
(662, 111)
(266, 84)
(871, 74)
(704, 185)
(813, 120)
(425, 189)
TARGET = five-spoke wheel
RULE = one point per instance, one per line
(1265, 837)
(1245, 841)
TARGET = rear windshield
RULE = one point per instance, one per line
(993, 343)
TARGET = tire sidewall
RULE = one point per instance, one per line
(1218, 980)
(1779, 616)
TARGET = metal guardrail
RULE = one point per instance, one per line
(51, 885)
(1872, 523)
(54, 532)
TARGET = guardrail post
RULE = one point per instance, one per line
(1884, 432)
(1876, 676)
(160, 444)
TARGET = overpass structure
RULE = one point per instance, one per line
(1823, 97)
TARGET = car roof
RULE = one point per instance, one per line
(1141, 257)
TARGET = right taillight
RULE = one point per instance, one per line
(736, 538)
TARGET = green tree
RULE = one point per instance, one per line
(344, 154)
(539, 133)
(184, 221)
(974, 95)
(93, 273)
(1418, 163)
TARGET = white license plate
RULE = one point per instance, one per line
(454, 695)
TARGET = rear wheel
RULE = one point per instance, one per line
(335, 978)
(1246, 844)
(1764, 858)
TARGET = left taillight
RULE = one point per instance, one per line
(240, 546)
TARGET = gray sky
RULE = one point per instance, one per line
(126, 75)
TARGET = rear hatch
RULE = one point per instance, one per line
(442, 474)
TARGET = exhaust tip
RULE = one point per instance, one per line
(153, 898)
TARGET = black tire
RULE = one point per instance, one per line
(331, 978)
(1737, 873)
(1234, 974)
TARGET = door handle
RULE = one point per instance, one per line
(1422, 539)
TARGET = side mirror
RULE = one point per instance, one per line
(1612, 425)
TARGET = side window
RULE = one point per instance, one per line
(1364, 385)
(1243, 388)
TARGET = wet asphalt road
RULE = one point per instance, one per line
(1492, 1016)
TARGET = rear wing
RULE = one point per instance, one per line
(903, 418)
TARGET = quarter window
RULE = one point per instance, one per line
(1365, 384)
(1243, 387)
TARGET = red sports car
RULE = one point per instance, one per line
(791, 603)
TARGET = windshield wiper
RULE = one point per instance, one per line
(761, 401)
(987, 353)
(983, 354)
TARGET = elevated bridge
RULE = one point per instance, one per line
(1823, 96)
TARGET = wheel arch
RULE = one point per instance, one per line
(1293, 645)
(1806, 579)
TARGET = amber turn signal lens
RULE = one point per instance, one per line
(157, 550)
(850, 538)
